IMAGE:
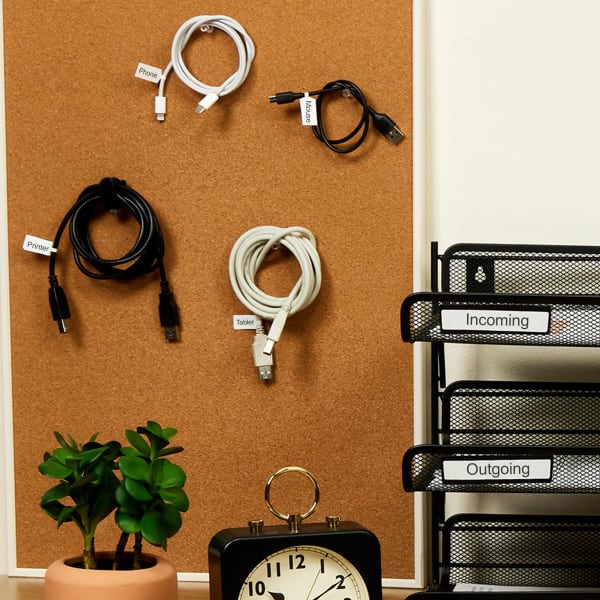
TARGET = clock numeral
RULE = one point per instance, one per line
(322, 565)
(277, 569)
(297, 561)
(340, 584)
(259, 588)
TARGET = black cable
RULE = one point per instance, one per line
(145, 255)
(348, 143)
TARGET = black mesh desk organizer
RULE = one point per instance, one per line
(505, 436)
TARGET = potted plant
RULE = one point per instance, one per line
(144, 490)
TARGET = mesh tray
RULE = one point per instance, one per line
(514, 550)
(506, 319)
(521, 413)
(438, 468)
(521, 269)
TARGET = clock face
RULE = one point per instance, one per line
(304, 573)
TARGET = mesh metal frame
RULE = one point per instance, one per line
(521, 413)
(507, 550)
(521, 269)
(574, 470)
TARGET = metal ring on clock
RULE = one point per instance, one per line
(304, 472)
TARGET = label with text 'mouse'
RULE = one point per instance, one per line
(495, 320)
(501, 470)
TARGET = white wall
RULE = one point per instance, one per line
(511, 152)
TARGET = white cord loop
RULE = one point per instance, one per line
(245, 259)
(205, 23)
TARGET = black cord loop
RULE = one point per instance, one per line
(362, 127)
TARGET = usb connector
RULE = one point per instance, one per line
(169, 313)
(263, 362)
(387, 127)
(59, 305)
(285, 97)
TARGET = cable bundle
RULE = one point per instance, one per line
(245, 260)
(145, 255)
(246, 52)
(353, 140)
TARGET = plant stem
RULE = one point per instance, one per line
(137, 551)
(89, 552)
(120, 550)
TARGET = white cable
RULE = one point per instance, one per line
(245, 259)
(246, 51)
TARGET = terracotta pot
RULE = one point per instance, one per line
(157, 581)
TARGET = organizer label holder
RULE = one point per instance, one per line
(495, 320)
(496, 470)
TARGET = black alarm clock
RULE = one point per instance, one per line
(332, 560)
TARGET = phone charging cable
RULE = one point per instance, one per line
(206, 23)
(245, 260)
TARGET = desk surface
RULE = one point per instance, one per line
(17, 588)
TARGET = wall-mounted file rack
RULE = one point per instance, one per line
(504, 436)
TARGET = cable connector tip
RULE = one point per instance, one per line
(387, 128)
(160, 107)
(59, 306)
(169, 314)
(263, 362)
(285, 97)
(206, 103)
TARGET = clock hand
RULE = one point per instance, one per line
(277, 595)
(331, 587)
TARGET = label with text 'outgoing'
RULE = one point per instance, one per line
(495, 320)
(501, 470)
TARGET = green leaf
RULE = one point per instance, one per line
(177, 497)
(66, 514)
(171, 519)
(55, 469)
(134, 467)
(154, 529)
(138, 442)
(58, 492)
(126, 522)
(172, 476)
(154, 427)
(169, 432)
(91, 455)
(138, 490)
(171, 450)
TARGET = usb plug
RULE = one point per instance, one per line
(285, 97)
(169, 313)
(59, 305)
(263, 362)
(387, 127)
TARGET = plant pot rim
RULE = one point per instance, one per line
(75, 562)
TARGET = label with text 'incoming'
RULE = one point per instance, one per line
(495, 320)
(502, 470)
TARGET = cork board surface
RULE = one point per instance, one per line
(341, 404)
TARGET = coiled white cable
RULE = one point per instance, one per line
(245, 259)
(205, 23)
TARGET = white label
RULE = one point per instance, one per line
(148, 72)
(506, 321)
(308, 109)
(38, 245)
(518, 469)
(244, 322)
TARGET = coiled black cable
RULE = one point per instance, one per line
(362, 127)
(348, 143)
(145, 255)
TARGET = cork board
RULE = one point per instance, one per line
(341, 404)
